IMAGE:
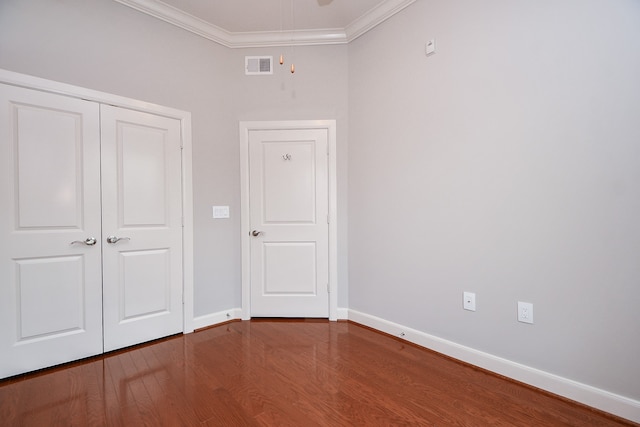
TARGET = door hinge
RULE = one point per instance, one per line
(328, 289)
(327, 218)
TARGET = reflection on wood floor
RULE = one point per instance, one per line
(280, 373)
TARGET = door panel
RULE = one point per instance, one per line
(288, 198)
(44, 310)
(48, 196)
(290, 268)
(146, 285)
(50, 287)
(141, 204)
(289, 185)
(142, 157)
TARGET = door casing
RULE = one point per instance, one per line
(245, 128)
(23, 80)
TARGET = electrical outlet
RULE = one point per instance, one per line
(525, 312)
(469, 301)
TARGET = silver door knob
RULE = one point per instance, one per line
(89, 241)
(256, 233)
(114, 239)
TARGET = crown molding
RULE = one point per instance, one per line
(375, 17)
(177, 17)
(287, 38)
(174, 16)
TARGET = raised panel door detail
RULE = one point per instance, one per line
(288, 204)
(145, 283)
(290, 268)
(50, 297)
(142, 204)
(48, 157)
(50, 288)
(289, 182)
(142, 180)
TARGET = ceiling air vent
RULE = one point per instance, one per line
(258, 65)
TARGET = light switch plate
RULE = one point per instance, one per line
(221, 212)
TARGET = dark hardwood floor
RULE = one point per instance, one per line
(280, 373)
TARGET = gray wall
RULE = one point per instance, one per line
(102, 45)
(507, 164)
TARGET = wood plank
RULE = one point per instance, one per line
(281, 372)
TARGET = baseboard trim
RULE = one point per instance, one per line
(342, 313)
(597, 398)
(216, 318)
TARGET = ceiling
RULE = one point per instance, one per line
(256, 23)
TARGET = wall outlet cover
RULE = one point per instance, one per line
(469, 301)
(525, 312)
(430, 47)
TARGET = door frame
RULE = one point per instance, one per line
(44, 85)
(248, 126)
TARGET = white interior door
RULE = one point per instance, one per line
(50, 253)
(142, 226)
(288, 198)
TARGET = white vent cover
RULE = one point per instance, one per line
(258, 65)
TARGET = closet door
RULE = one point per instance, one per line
(50, 232)
(142, 224)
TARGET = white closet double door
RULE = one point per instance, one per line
(90, 228)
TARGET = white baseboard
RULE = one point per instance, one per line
(236, 313)
(342, 313)
(601, 399)
(216, 318)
